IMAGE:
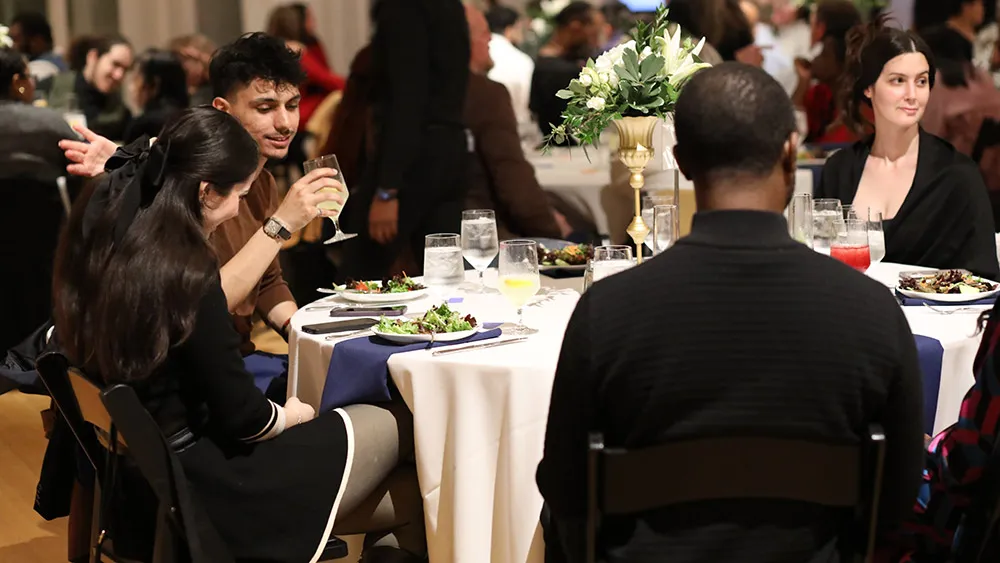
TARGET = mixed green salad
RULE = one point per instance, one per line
(397, 284)
(437, 320)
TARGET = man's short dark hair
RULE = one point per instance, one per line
(577, 11)
(34, 24)
(254, 56)
(501, 18)
(732, 119)
(839, 17)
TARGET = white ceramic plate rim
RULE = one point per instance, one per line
(414, 338)
(950, 297)
(355, 297)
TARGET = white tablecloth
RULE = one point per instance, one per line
(479, 426)
(958, 336)
(479, 417)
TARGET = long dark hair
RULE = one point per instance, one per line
(125, 296)
(163, 72)
(869, 48)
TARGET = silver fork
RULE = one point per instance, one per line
(953, 310)
(348, 335)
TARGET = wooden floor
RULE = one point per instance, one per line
(24, 536)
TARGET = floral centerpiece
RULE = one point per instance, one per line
(5, 40)
(642, 77)
(631, 86)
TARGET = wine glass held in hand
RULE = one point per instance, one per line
(519, 279)
(479, 241)
(330, 161)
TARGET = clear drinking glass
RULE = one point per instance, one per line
(444, 269)
(876, 235)
(479, 241)
(330, 161)
(849, 212)
(609, 260)
(828, 215)
(72, 113)
(519, 280)
(800, 218)
(666, 228)
(648, 203)
(851, 245)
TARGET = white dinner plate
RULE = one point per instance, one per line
(381, 298)
(951, 297)
(414, 338)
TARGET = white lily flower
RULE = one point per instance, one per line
(613, 57)
(5, 40)
(686, 71)
(596, 103)
(553, 7)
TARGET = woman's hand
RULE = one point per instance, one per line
(87, 158)
(297, 412)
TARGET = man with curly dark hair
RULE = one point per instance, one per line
(255, 79)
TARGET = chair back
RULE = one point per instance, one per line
(183, 528)
(628, 482)
(989, 136)
(32, 215)
(53, 370)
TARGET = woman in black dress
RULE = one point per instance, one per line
(932, 197)
(138, 300)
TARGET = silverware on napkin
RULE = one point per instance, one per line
(953, 310)
(478, 346)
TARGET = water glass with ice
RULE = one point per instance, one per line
(444, 269)
(828, 216)
(609, 260)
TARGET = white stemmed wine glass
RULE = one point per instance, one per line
(330, 161)
(479, 241)
(519, 280)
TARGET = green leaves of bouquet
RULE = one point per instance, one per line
(639, 78)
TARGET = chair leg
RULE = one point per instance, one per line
(80, 530)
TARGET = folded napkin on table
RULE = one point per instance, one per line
(358, 371)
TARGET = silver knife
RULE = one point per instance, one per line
(478, 346)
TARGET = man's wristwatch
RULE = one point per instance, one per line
(274, 229)
(385, 195)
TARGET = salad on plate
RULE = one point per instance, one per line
(567, 256)
(396, 284)
(946, 282)
(438, 320)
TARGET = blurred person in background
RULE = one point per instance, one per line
(158, 90)
(777, 63)
(96, 88)
(195, 53)
(30, 163)
(962, 99)
(500, 177)
(295, 24)
(619, 23)
(416, 183)
(724, 26)
(819, 78)
(576, 37)
(512, 67)
(32, 35)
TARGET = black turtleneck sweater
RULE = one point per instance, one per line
(736, 330)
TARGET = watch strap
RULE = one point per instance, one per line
(274, 229)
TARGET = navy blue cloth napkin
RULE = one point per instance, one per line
(358, 371)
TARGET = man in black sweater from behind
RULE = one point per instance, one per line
(737, 330)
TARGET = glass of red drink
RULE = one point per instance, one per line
(851, 245)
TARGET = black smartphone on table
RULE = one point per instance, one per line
(381, 311)
(339, 326)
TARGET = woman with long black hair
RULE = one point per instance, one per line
(138, 301)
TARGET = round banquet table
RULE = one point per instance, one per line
(479, 423)
(479, 416)
(959, 338)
